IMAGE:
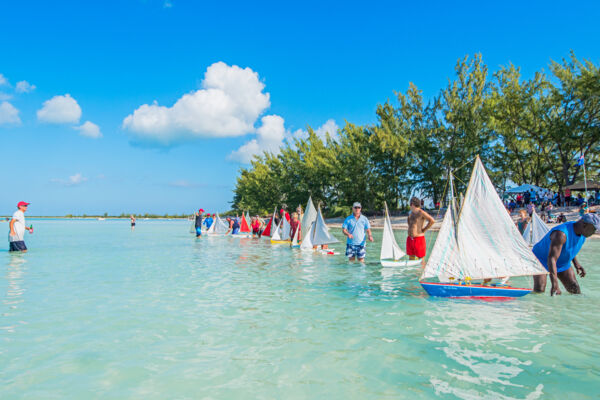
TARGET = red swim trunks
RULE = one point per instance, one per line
(415, 246)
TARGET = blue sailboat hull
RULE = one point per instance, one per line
(474, 291)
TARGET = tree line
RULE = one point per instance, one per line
(526, 130)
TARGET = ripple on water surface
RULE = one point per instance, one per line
(95, 310)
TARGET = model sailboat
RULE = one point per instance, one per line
(318, 235)
(479, 242)
(282, 232)
(218, 227)
(391, 254)
(535, 230)
(268, 231)
(244, 231)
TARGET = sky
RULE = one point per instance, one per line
(153, 106)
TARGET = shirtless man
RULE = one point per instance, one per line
(415, 242)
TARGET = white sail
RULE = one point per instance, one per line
(321, 233)
(535, 230)
(295, 238)
(484, 243)
(307, 241)
(285, 229)
(389, 247)
(276, 234)
(221, 227)
(310, 216)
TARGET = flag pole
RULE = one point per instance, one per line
(585, 179)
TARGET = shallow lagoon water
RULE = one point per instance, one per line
(95, 310)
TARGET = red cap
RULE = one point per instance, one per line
(22, 203)
(282, 211)
(201, 210)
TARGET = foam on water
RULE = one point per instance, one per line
(97, 311)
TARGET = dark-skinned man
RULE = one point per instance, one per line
(558, 250)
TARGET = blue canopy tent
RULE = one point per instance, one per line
(526, 188)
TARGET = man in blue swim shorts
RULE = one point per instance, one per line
(355, 227)
(557, 250)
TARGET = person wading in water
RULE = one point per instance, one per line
(415, 242)
(557, 250)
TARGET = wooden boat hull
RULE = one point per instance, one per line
(280, 241)
(473, 291)
(400, 263)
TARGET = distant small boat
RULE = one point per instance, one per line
(535, 230)
(101, 219)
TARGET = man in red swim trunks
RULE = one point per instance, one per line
(415, 242)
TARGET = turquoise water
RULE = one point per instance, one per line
(97, 311)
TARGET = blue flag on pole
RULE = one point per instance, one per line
(580, 161)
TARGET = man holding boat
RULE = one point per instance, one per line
(558, 250)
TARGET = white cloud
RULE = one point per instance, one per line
(3, 80)
(73, 180)
(60, 110)
(9, 114)
(269, 137)
(24, 87)
(228, 105)
(89, 129)
(328, 127)
(272, 135)
(168, 4)
(5, 96)
(182, 183)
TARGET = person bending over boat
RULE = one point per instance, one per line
(208, 221)
(354, 227)
(198, 222)
(558, 250)
(257, 226)
(295, 225)
(416, 246)
(235, 225)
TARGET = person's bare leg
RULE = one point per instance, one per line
(569, 281)
(539, 283)
(350, 259)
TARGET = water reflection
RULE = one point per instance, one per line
(14, 291)
(485, 346)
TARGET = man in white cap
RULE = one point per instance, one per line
(558, 250)
(355, 227)
(17, 229)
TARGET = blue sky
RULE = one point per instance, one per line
(254, 74)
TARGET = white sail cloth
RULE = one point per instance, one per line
(389, 247)
(219, 226)
(309, 217)
(536, 229)
(484, 242)
(317, 234)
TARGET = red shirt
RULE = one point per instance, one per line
(295, 225)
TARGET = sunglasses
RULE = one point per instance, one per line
(357, 208)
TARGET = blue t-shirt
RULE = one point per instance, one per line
(569, 249)
(208, 222)
(358, 228)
